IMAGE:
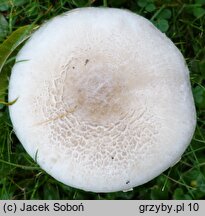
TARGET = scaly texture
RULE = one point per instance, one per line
(107, 112)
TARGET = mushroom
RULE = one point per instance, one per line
(104, 99)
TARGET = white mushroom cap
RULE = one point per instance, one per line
(104, 99)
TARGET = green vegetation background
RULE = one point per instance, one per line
(182, 21)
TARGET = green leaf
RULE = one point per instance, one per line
(18, 3)
(162, 24)
(50, 192)
(198, 12)
(199, 96)
(4, 5)
(157, 193)
(165, 14)
(142, 3)
(13, 41)
(6, 49)
(180, 195)
(3, 27)
(150, 7)
(200, 2)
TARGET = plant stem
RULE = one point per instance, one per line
(105, 3)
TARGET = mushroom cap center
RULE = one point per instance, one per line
(97, 94)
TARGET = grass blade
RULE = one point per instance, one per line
(13, 41)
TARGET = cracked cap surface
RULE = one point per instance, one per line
(104, 98)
